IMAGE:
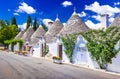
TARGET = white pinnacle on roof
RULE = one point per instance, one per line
(74, 25)
(57, 19)
(53, 31)
(74, 13)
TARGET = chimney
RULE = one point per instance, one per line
(49, 25)
(104, 20)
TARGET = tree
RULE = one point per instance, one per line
(44, 27)
(8, 32)
(13, 42)
(35, 24)
(45, 49)
(29, 22)
(101, 44)
(2, 24)
(14, 21)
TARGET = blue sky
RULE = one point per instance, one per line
(46, 10)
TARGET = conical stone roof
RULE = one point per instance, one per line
(26, 36)
(74, 25)
(116, 22)
(36, 35)
(53, 31)
(20, 34)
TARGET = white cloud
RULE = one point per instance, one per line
(116, 3)
(82, 14)
(99, 10)
(98, 25)
(15, 14)
(67, 3)
(111, 19)
(102, 9)
(45, 21)
(97, 17)
(24, 7)
(22, 26)
(9, 10)
(92, 25)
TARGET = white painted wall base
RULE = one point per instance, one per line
(36, 51)
(115, 66)
(9, 48)
(66, 59)
(16, 47)
(53, 50)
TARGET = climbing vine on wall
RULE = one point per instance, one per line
(101, 44)
(69, 44)
(45, 49)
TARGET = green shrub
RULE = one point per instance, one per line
(14, 42)
(69, 44)
(45, 49)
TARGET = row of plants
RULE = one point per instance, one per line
(100, 43)
(13, 42)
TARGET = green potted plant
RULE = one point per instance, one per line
(57, 60)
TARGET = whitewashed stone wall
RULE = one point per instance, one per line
(82, 55)
(9, 48)
(66, 59)
(36, 51)
(53, 49)
(115, 65)
(16, 47)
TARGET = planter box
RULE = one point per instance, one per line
(57, 61)
(24, 52)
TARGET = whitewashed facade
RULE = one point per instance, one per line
(54, 50)
(36, 51)
(16, 47)
(115, 65)
(81, 54)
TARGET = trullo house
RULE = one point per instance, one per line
(80, 53)
(26, 38)
(115, 65)
(18, 36)
(51, 37)
(36, 50)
